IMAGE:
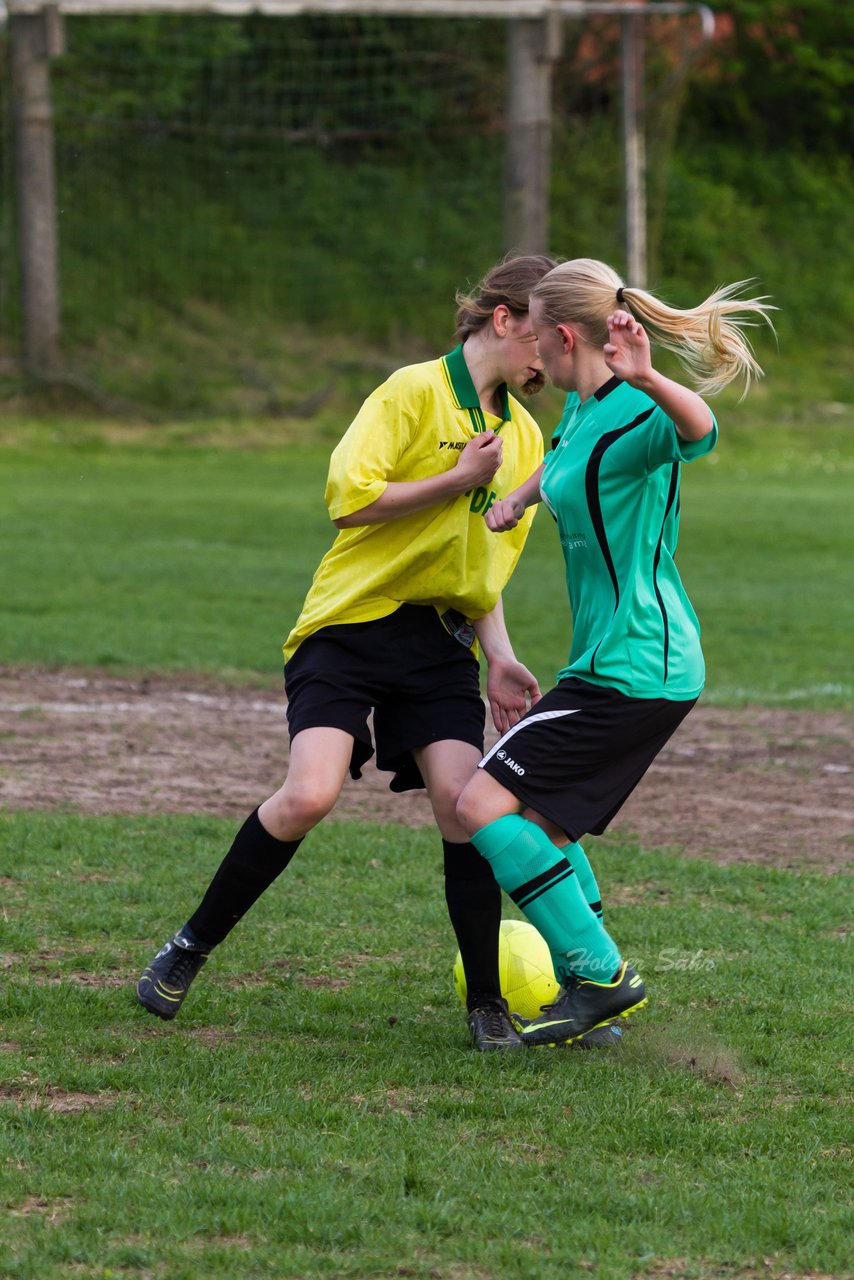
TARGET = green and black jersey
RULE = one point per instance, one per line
(612, 484)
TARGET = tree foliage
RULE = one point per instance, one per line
(779, 73)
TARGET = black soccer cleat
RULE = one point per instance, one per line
(165, 982)
(584, 1005)
(609, 1037)
(491, 1028)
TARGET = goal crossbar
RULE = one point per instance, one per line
(511, 9)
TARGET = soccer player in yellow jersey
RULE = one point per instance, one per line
(391, 626)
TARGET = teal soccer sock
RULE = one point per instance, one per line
(587, 880)
(541, 881)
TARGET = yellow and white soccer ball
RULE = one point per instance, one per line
(525, 969)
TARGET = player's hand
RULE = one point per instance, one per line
(504, 514)
(511, 689)
(480, 459)
(627, 352)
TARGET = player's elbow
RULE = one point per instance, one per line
(696, 427)
(352, 521)
(371, 514)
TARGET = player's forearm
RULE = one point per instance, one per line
(404, 498)
(528, 493)
(690, 414)
(492, 634)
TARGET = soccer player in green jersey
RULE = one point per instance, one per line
(390, 630)
(635, 667)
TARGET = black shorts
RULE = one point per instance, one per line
(578, 754)
(422, 685)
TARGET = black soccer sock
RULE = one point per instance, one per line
(474, 905)
(251, 865)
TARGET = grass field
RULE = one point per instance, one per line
(316, 1112)
(197, 557)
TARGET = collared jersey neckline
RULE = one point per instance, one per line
(459, 382)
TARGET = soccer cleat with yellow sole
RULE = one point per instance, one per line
(584, 1006)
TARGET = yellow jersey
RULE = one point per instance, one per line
(412, 427)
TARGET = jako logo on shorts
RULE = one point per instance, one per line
(511, 764)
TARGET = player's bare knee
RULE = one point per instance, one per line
(292, 812)
(311, 805)
(444, 801)
(483, 800)
(468, 811)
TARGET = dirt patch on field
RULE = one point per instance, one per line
(747, 785)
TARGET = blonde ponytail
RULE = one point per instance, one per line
(708, 340)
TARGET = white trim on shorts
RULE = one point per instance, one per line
(531, 718)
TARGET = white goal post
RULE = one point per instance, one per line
(534, 41)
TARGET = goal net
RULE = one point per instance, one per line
(337, 172)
